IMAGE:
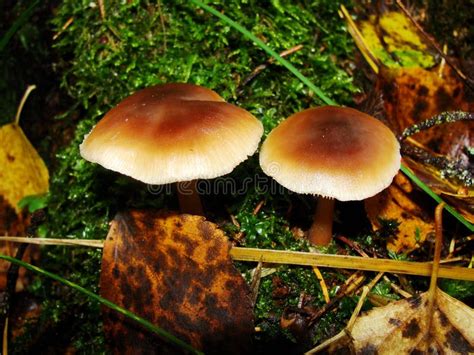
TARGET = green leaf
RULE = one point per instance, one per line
(33, 202)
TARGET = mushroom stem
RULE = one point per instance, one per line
(320, 232)
(188, 197)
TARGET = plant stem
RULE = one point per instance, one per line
(29, 89)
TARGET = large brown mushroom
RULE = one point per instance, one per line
(173, 133)
(334, 152)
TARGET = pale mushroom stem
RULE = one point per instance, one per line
(320, 232)
(188, 197)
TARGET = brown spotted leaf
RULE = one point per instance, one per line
(175, 271)
(395, 203)
(402, 327)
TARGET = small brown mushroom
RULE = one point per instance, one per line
(334, 152)
(173, 133)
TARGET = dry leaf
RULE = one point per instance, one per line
(401, 327)
(415, 94)
(395, 203)
(22, 173)
(175, 271)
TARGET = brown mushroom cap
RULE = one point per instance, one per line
(332, 151)
(173, 132)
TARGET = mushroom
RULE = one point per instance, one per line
(334, 152)
(173, 133)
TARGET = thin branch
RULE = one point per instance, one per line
(299, 258)
(102, 9)
(442, 118)
(262, 67)
(162, 21)
(69, 21)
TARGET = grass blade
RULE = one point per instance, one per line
(324, 98)
(143, 322)
(20, 21)
(435, 197)
(267, 49)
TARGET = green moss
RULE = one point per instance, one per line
(142, 43)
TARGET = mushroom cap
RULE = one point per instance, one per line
(334, 152)
(173, 132)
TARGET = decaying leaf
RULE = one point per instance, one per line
(412, 95)
(394, 203)
(22, 173)
(402, 327)
(175, 271)
(395, 42)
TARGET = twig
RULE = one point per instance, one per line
(162, 21)
(255, 283)
(466, 79)
(397, 288)
(299, 258)
(262, 67)
(351, 285)
(353, 245)
(442, 118)
(346, 332)
(102, 9)
(65, 26)
(258, 207)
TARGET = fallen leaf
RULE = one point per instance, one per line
(394, 40)
(413, 93)
(175, 271)
(402, 327)
(22, 172)
(395, 203)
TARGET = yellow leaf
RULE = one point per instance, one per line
(394, 40)
(22, 171)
